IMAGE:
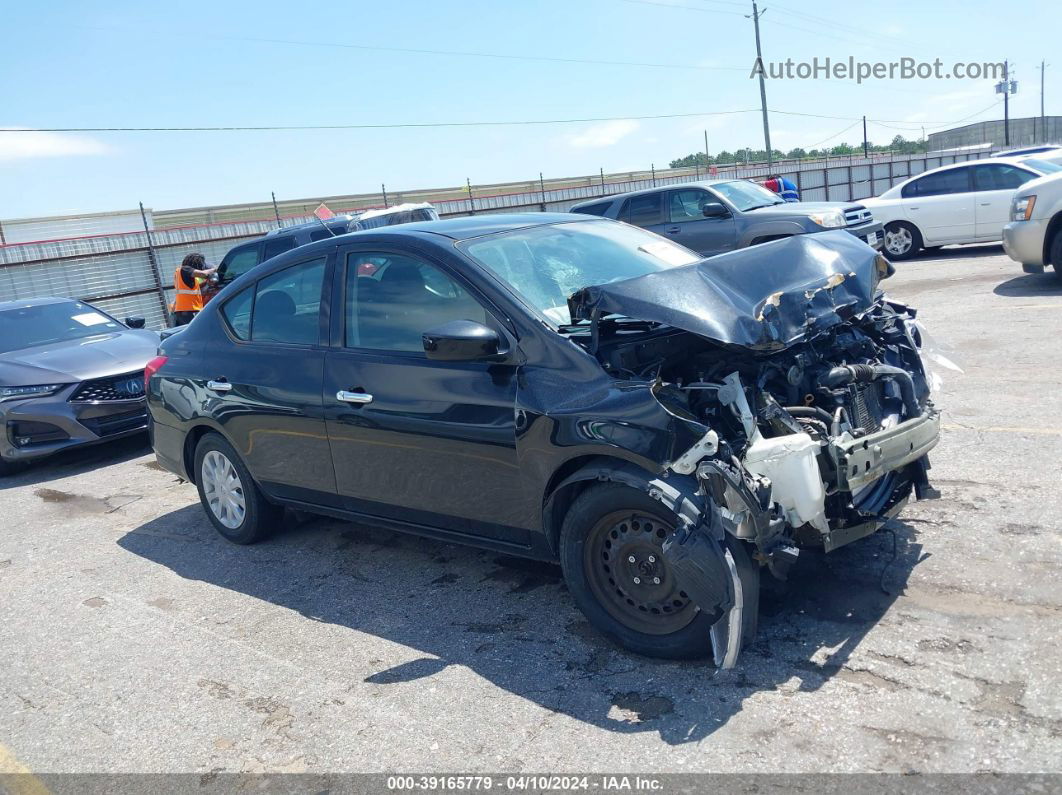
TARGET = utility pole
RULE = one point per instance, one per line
(866, 147)
(1043, 118)
(763, 90)
(708, 157)
(1006, 102)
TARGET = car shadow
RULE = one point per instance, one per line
(1030, 284)
(960, 252)
(77, 460)
(512, 622)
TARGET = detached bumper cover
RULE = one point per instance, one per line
(863, 460)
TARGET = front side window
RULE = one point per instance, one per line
(954, 180)
(392, 299)
(44, 324)
(747, 195)
(686, 205)
(287, 305)
(544, 265)
(238, 263)
(999, 176)
(647, 210)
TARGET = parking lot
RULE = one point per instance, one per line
(135, 639)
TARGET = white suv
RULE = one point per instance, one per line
(1034, 235)
(961, 203)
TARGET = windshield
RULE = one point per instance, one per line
(546, 264)
(747, 195)
(27, 326)
(1043, 166)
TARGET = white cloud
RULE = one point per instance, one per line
(17, 143)
(605, 134)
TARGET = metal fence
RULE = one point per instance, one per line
(131, 273)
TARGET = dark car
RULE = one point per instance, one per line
(563, 388)
(240, 259)
(716, 216)
(70, 375)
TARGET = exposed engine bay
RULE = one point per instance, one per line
(812, 403)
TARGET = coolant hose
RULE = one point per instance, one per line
(846, 374)
(810, 411)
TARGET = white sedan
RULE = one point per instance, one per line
(961, 203)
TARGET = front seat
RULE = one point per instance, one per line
(393, 317)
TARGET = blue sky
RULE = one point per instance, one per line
(230, 62)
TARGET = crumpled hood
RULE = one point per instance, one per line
(763, 298)
(79, 360)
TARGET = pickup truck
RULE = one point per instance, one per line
(715, 216)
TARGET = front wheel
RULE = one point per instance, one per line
(611, 554)
(1055, 254)
(232, 500)
(902, 240)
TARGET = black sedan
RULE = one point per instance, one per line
(70, 375)
(568, 389)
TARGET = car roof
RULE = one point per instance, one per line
(35, 302)
(984, 161)
(702, 183)
(338, 221)
(470, 226)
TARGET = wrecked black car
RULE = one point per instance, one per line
(666, 427)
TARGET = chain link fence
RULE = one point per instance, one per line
(130, 273)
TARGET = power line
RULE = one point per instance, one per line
(513, 123)
(835, 135)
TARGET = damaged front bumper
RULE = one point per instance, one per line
(862, 460)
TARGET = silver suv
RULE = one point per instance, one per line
(1034, 235)
(722, 215)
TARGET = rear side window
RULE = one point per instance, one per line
(287, 305)
(647, 210)
(272, 248)
(998, 176)
(593, 209)
(955, 180)
(320, 234)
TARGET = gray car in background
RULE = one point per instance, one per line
(70, 375)
(715, 216)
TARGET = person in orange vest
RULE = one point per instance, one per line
(188, 281)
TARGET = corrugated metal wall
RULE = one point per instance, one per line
(116, 273)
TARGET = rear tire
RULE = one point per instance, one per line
(231, 499)
(8, 468)
(606, 526)
(902, 240)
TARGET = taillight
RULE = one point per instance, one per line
(152, 367)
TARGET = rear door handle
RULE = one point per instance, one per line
(673, 230)
(353, 397)
(221, 385)
(986, 204)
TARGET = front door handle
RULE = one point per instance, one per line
(220, 385)
(986, 204)
(673, 230)
(353, 397)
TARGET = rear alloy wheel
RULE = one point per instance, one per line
(611, 555)
(902, 241)
(232, 500)
(1055, 254)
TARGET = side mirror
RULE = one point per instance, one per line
(714, 210)
(461, 341)
(134, 322)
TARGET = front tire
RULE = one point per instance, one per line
(902, 240)
(232, 500)
(611, 556)
(1056, 254)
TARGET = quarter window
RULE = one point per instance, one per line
(391, 300)
(237, 311)
(287, 305)
(594, 209)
